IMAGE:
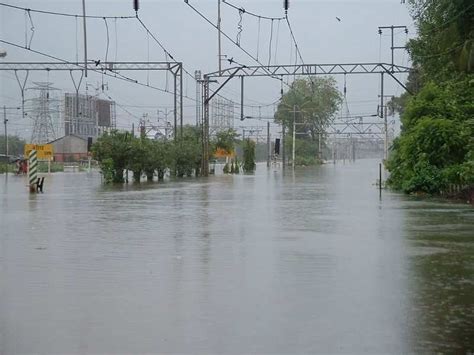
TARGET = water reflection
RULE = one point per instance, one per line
(442, 281)
(302, 262)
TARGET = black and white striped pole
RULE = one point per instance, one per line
(32, 170)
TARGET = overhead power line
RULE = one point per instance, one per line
(157, 41)
(168, 53)
(294, 39)
(62, 13)
(231, 40)
(245, 11)
(108, 72)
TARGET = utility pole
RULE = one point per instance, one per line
(219, 47)
(382, 109)
(205, 129)
(283, 154)
(385, 124)
(85, 35)
(294, 136)
(384, 115)
(5, 121)
(392, 28)
(381, 96)
(242, 98)
(198, 77)
(175, 105)
(181, 104)
(269, 145)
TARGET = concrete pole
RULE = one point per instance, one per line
(85, 35)
(382, 104)
(175, 105)
(197, 76)
(181, 101)
(242, 98)
(385, 123)
(5, 121)
(392, 48)
(294, 136)
(219, 47)
(269, 145)
(283, 154)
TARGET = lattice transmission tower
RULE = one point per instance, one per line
(44, 106)
(222, 116)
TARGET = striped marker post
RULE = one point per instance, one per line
(32, 170)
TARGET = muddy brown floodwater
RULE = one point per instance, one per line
(307, 262)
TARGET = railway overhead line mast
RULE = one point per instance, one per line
(113, 69)
(280, 71)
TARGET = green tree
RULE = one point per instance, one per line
(444, 46)
(161, 158)
(113, 151)
(15, 145)
(249, 156)
(435, 147)
(187, 152)
(138, 162)
(225, 140)
(316, 102)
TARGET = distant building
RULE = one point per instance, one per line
(69, 148)
(87, 116)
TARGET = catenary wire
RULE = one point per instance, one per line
(228, 3)
(63, 14)
(116, 74)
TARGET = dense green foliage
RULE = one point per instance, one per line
(443, 49)
(54, 167)
(226, 140)
(11, 168)
(114, 153)
(186, 153)
(118, 151)
(15, 145)
(316, 102)
(436, 146)
(249, 156)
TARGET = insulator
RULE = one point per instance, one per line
(286, 4)
(136, 5)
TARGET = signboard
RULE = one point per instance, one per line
(44, 151)
(222, 153)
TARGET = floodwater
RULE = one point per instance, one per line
(313, 261)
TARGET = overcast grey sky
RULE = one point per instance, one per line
(321, 38)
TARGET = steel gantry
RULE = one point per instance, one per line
(280, 71)
(309, 69)
(113, 69)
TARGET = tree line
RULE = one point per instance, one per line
(118, 151)
(310, 106)
(436, 147)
